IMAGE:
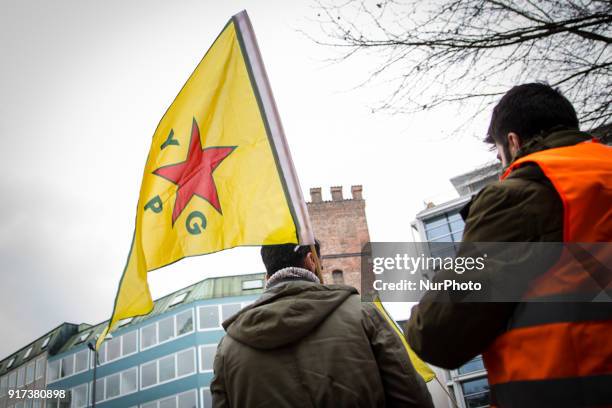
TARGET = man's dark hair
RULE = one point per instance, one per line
(528, 110)
(276, 257)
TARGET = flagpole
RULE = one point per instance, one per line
(276, 133)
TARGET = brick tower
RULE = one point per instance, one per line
(341, 227)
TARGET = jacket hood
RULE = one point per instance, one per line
(286, 313)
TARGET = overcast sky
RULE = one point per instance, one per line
(83, 84)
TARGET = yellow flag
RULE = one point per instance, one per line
(418, 364)
(219, 173)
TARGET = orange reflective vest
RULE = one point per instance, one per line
(560, 354)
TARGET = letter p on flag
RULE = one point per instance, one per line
(219, 173)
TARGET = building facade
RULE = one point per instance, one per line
(165, 359)
(341, 227)
(443, 225)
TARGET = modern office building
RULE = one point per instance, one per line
(443, 225)
(165, 359)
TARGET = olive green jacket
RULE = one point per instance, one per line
(522, 208)
(304, 344)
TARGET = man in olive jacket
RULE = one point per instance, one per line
(304, 344)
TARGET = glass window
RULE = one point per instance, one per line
(207, 357)
(40, 368)
(185, 362)
(45, 343)
(101, 354)
(184, 322)
(229, 310)
(435, 222)
(10, 363)
(129, 342)
(209, 317)
(79, 396)
(67, 366)
(476, 393)
(166, 329)
(80, 361)
(438, 232)
(148, 336)
(113, 349)
(167, 368)
(148, 374)
(474, 364)
(53, 370)
(187, 400)
(178, 299)
(12, 381)
(20, 377)
(129, 381)
(3, 385)
(30, 373)
(100, 389)
(27, 353)
(338, 277)
(113, 386)
(168, 403)
(206, 398)
(149, 405)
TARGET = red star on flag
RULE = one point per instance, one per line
(194, 176)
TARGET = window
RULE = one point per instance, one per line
(209, 317)
(229, 310)
(129, 345)
(206, 398)
(148, 336)
(476, 393)
(166, 329)
(123, 322)
(117, 385)
(67, 366)
(80, 361)
(186, 399)
(207, 357)
(167, 368)
(27, 353)
(21, 377)
(3, 385)
(83, 337)
(252, 284)
(113, 349)
(113, 386)
(53, 370)
(118, 347)
(178, 299)
(100, 389)
(40, 368)
(471, 366)
(79, 396)
(338, 277)
(129, 381)
(184, 322)
(185, 362)
(30, 373)
(45, 343)
(10, 363)
(148, 374)
(12, 381)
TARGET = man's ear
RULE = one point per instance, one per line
(309, 262)
(514, 142)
